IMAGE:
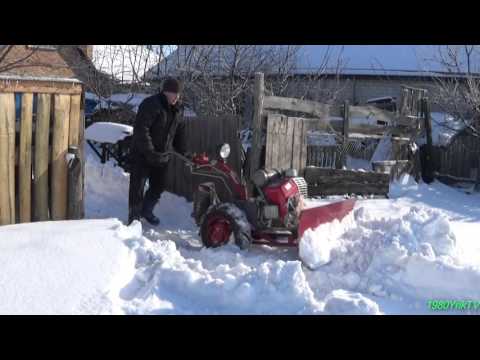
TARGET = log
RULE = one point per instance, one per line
(25, 159)
(59, 181)
(366, 111)
(336, 182)
(7, 159)
(291, 104)
(40, 178)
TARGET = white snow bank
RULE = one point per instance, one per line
(412, 255)
(107, 132)
(343, 302)
(315, 249)
(62, 267)
(174, 280)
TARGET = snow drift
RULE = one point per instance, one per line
(62, 267)
(412, 255)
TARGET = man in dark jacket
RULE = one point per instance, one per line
(158, 128)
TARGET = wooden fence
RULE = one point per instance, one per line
(334, 156)
(461, 158)
(35, 175)
(204, 135)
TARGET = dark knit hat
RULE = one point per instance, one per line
(172, 85)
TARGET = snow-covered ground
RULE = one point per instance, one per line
(390, 256)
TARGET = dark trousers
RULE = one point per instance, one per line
(140, 201)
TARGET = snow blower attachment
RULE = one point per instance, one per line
(272, 214)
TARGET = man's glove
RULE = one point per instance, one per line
(188, 155)
(158, 159)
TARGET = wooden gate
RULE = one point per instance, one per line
(286, 146)
(36, 174)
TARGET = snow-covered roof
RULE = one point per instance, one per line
(370, 60)
(402, 60)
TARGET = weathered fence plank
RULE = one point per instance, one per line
(7, 158)
(75, 181)
(74, 126)
(59, 179)
(25, 159)
(41, 157)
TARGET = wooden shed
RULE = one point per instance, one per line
(41, 148)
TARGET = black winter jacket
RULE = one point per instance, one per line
(158, 128)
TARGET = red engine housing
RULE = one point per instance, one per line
(278, 193)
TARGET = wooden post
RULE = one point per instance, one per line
(346, 128)
(59, 184)
(346, 121)
(25, 159)
(74, 184)
(428, 166)
(40, 182)
(7, 158)
(257, 123)
(81, 145)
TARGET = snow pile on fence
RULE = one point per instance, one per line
(107, 132)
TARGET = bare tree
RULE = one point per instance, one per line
(218, 78)
(457, 89)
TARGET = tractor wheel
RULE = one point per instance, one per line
(221, 222)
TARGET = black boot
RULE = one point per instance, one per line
(147, 212)
(152, 219)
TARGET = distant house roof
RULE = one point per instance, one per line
(353, 60)
(27, 61)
